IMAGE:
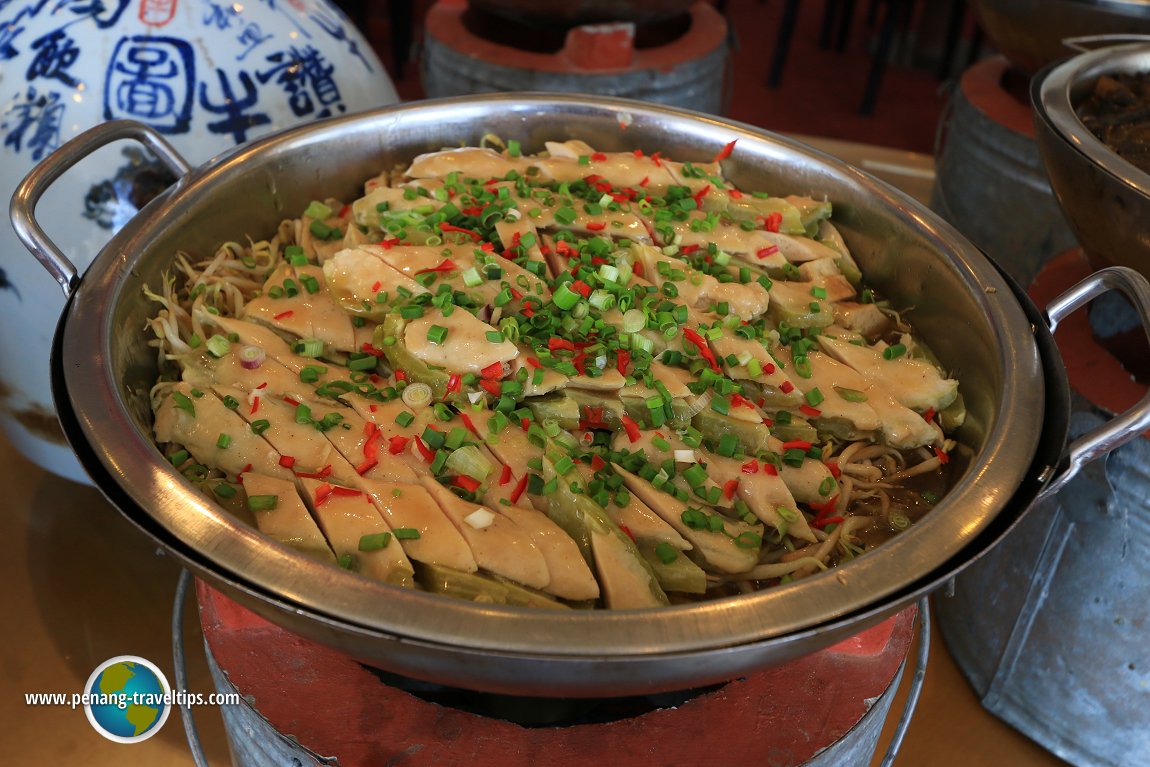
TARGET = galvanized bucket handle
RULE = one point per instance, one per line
(36, 183)
(1125, 426)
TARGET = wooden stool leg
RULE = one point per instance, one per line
(846, 19)
(783, 43)
(402, 18)
(895, 10)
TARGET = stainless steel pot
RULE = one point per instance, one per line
(1030, 32)
(1013, 441)
(1104, 198)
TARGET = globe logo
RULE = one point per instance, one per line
(127, 699)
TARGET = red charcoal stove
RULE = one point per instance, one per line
(681, 61)
(330, 704)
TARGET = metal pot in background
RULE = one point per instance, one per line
(1030, 32)
(1013, 441)
(1104, 198)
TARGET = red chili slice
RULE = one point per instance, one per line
(321, 494)
(283, 315)
(397, 444)
(704, 350)
(470, 484)
(492, 372)
(797, 444)
(505, 475)
(367, 348)
(751, 466)
(555, 343)
(622, 360)
(446, 227)
(287, 461)
(597, 226)
(699, 195)
(427, 453)
(446, 265)
(632, 428)
(597, 462)
(730, 487)
(453, 383)
(519, 488)
(725, 152)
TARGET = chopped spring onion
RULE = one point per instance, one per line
(308, 347)
(634, 320)
(480, 518)
(224, 490)
(826, 486)
(262, 502)
(417, 395)
(374, 541)
(471, 278)
(564, 297)
(666, 552)
(317, 210)
(685, 456)
(470, 461)
(437, 334)
(898, 520)
(218, 345)
(893, 352)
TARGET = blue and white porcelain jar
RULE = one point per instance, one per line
(206, 74)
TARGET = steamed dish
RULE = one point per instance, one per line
(568, 379)
(1118, 113)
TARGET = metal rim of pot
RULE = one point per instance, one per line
(578, 652)
(1058, 89)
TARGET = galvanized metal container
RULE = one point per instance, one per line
(989, 179)
(1051, 627)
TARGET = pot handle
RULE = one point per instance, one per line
(1088, 43)
(32, 188)
(1125, 426)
